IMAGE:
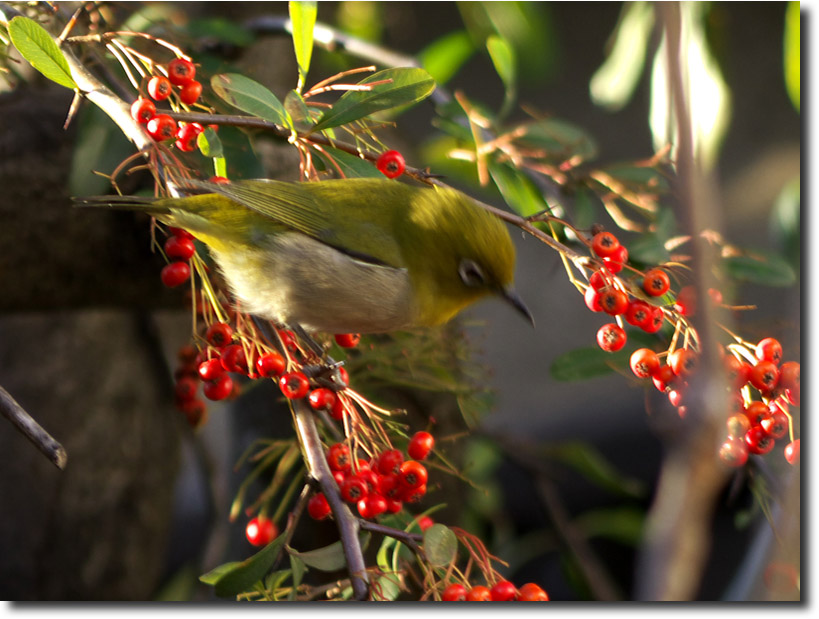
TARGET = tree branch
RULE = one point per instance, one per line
(32, 430)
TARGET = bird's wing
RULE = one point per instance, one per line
(365, 236)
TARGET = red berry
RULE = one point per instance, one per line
(348, 340)
(233, 359)
(270, 364)
(663, 377)
(211, 369)
(425, 522)
(656, 282)
(503, 591)
(737, 426)
(530, 592)
(413, 495)
(675, 397)
(161, 127)
(764, 376)
(412, 474)
(354, 489)
(655, 322)
(389, 462)
(159, 88)
(454, 593)
(611, 337)
(185, 389)
(175, 273)
(479, 594)
(686, 303)
(186, 137)
(769, 349)
(371, 506)
(420, 445)
(789, 376)
(598, 280)
(734, 452)
(219, 334)
(189, 93)
(195, 411)
(143, 110)
(758, 441)
(321, 399)
(294, 385)
(338, 457)
(605, 244)
(756, 411)
(638, 313)
(592, 299)
(615, 262)
(337, 410)
(389, 485)
(792, 452)
(391, 164)
(288, 339)
(261, 531)
(737, 371)
(683, 361)
(394, 505)
(179, 248)
(219, 388)
(644, 362)
(318, 507)
(614, 301)
(776, 424)
(181, 71)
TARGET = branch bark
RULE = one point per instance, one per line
(32, 430)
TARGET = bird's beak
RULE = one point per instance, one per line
(511, 297)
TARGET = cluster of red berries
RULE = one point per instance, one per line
(260, 531)
(161, 127)
(391, 164)
(502, 591)
(179, 249)
(382, 484)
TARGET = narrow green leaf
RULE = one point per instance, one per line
(387, 587)
(328, 558)
(216, 573)
(621, 524)
(37, 46)
(209, 143)
(648, 249)
(299, 568)
(298, 110)
(561, 138)
(766, 269)
(220, 166)
(440, 545)
(445, 56)
(245, 574)
(218, 29)
(503, 57)
(251, 97)
(793, 53)
(401, 86)
(303, 19)
(585, 363)
(590, 463)
(350, 165)
(517, 190)
(586, 208)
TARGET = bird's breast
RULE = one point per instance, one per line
(291, 278)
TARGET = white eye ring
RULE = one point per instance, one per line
(471, 274)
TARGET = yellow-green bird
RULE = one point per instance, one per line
(344, 256)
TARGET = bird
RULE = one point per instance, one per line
(353, 255)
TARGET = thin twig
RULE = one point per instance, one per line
(32, 430)
(408, 539)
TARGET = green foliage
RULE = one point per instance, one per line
(793, 53)
(591, 362)
(328, 558)
(765, 268)
(250, 96)
(444, 57)
(37, 46)
(230, 579)
(303, 19)
(440, 545)
(591, 464)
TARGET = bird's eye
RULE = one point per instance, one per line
(471, 274)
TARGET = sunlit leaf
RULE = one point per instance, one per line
(400, 87)
(445, 56)
(37, 46)
(250, 96)
(209, 143)
(503, 57)
(440, 545)
(517, 190)
(793, 53)
(303, 19)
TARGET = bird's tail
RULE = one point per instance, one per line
(152, 206)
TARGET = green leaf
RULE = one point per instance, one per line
(298, 110)
(37, 46)
(216, 573)
(647, 249)
(503, 57)
(645, 177)
(251, 97)
(218, 29)
(586, 207)
(299, 568)
(560, 137)
(303, 19)
(387, 587)
(350, 165)
(621, 524)
(443, 57)
(328, 558)
(763, 268)
(585, 363)
(517, 190)
(209, 143)
(440, 545)
(590, 463)
(243, 575)
(403, 86)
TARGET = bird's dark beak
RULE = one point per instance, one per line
(511, 297)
